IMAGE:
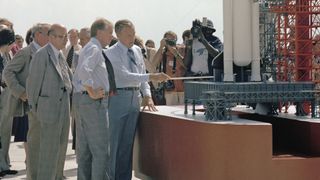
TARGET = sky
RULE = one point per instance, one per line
(152, 18)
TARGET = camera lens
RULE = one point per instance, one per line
(195, 31)
(170, 42)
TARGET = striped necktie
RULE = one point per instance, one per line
(131, 56)
(133, 63)
(64, 72)
(70, 56)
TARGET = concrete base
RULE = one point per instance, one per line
(173, 146)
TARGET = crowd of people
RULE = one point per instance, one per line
(97, 84)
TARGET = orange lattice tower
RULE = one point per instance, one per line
(297, 25)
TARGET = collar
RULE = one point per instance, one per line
(96, 42)
(55, 51)
(36, 45)
(123, 47)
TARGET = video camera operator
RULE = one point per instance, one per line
(202, 49)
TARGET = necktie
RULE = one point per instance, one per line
(64, 72)
(112, 82)
(131, 56)
(70, 56)
(132, 59)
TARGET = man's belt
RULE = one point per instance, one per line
(86, 93)
(129, 88)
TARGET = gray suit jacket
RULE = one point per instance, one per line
(46, 88)
(15, 75)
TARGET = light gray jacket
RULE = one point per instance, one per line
(46, 87)
(15, 75)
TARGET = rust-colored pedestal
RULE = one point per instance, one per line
(172, 146)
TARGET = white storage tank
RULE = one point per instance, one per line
(241, 37)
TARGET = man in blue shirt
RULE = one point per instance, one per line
(131, 79)
(91, 79)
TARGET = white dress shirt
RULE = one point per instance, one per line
(91, 70)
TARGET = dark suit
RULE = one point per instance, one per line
(48, 91)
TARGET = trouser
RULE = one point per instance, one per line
(124, 111)
(47, 143)
(6, 121)
(76, 116)
(93, 139)
(33, 146)
(174, 98)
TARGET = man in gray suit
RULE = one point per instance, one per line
(91, 80)
(131, 79)
(48, 93)
(6, 43)
(16, 72)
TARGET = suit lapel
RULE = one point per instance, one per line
(54, 60)
(33, 48)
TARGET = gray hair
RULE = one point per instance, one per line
(86, 30)
(39, 27)
(99, 24)
(122, 24)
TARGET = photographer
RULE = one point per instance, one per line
(202, 49)
(169, 59)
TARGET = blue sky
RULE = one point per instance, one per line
(151, 17)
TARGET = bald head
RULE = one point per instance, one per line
(55, 28)
(58, 36)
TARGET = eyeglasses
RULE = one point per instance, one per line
(61, 36)
(43, 33)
